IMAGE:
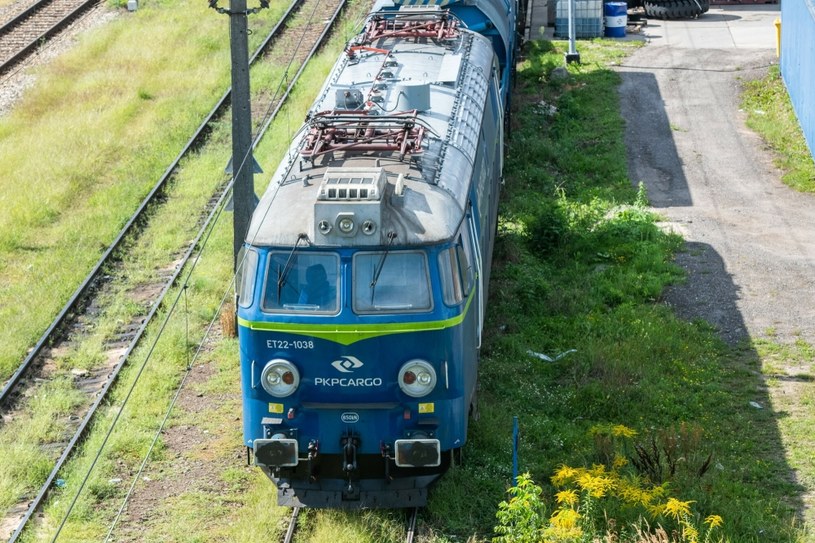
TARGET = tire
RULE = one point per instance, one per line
(675, 9)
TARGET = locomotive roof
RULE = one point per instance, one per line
(390, 143)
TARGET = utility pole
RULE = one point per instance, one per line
(243, 188)
(572, 55)
(243, 163)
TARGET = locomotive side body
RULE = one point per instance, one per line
(363, 286)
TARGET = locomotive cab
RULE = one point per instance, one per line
(357, 368)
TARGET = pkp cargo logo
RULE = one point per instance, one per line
(347, 364)
(349, 418)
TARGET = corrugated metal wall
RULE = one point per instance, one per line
(798, 61)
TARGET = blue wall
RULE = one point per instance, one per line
(798, 61)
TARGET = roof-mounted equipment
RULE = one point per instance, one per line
(357, 131)
(411, 22)
(349, 206)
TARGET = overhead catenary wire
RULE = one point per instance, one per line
(203, 239)
(214, 218)
(190, 365)
(102, 396)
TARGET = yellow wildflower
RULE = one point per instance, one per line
(595, 485)
(628, 492)
(619, 461)
(656, 510)
(564, 475)
(660, 491)
(714, 521)
(565, 519)
(690, 533)
(569, 497)
(619, 430)
(677, 509)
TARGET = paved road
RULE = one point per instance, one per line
(751, 257)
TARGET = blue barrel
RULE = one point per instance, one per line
(616, 18)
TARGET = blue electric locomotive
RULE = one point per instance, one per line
(365, 270)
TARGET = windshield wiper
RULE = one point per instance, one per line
(282, 275)
(381, 264)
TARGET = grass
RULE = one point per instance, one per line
(579, 265)
(168, 229)
(86, 144)
(26, 461)
(789, 369)
(770, 114)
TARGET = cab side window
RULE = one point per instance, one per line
(247, 272)
(456, 268)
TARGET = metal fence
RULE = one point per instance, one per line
(798, 61)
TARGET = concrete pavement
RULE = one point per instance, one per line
(723, 27)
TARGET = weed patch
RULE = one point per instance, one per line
(770, 113)
(580, 267)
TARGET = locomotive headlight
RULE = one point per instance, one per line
(346, 225)
(279, 378)
(417, 378)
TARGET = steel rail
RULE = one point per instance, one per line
(33, 8)
(300, 71)
(411, 527)
(65, 21)
(79, 294)
(292, 525)
(102, 396)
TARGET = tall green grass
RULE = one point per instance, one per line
(581, 265)
(86, 144)
(770, 114)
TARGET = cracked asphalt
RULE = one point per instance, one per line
(750, 246)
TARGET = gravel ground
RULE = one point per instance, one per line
(14, 84)
(751, 253)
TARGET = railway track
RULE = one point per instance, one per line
(413, 514)
(33, 26)
(410, 529)
(78, 318)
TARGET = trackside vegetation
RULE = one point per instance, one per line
(79, 153)
(635, 426)
(770, 114)
(638, 426)
(88, 142)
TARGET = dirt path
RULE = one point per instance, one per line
(750, 252)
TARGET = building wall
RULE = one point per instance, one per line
(798, 61)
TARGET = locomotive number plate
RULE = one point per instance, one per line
(297, 345)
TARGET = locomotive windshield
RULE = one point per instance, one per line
(302, 282)
(399, 282)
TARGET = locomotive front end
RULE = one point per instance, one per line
(358, 399)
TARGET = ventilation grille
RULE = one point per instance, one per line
(348, 185)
